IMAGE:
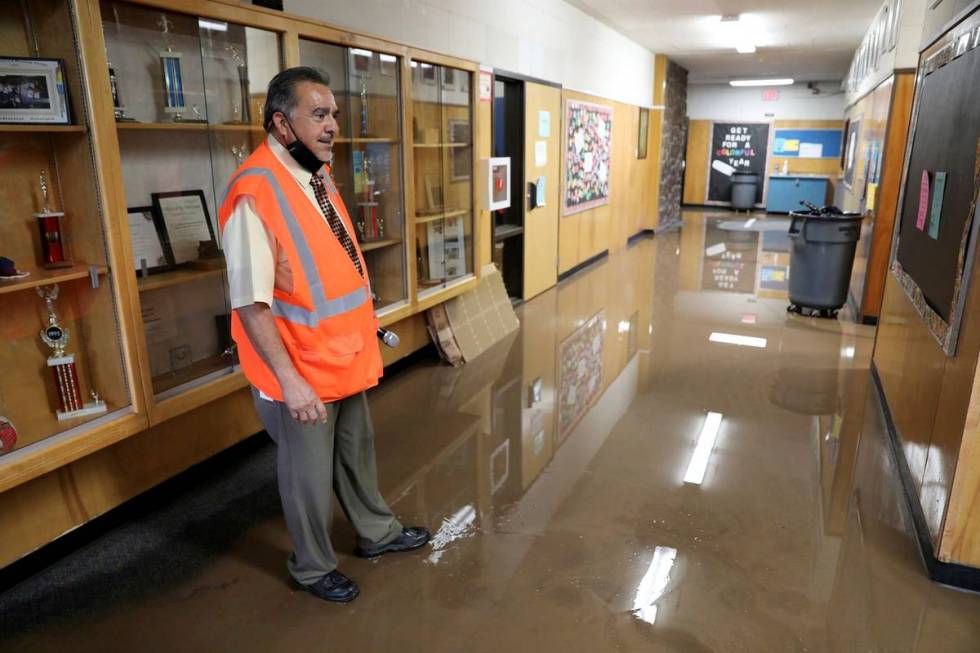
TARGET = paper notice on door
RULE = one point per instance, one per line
(541, 153)
(936, 211)
(811, 151)
(920, 220)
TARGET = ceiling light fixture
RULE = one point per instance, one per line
(762, 82)
(213, 25)
(747, 48)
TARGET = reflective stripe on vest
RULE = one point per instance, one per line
(323, 308)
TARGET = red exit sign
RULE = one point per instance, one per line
(770, 95)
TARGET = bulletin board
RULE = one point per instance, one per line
(937, 233)
(808, 143)
(588, 155)
(736, 147)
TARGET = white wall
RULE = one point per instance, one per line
(547, 39)
(796, 102)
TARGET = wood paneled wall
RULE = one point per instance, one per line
(633, 189)
(935, 400)
(699, 142)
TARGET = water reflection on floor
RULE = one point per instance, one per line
(661, 458)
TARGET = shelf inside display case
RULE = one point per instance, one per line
(43, 129)
(163, 383)
(43, 277)
(422, 218)
(365, 140)
(440, 145)
(372, 245)
(186, 127)
(176, 277)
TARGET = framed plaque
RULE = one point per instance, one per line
(33, 92)
(144, 232)
(185, 224)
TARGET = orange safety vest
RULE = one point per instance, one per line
(327, 323)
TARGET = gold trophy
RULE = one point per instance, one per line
(63, 365)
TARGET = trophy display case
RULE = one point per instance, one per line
(187, 95)
(63, 361)
(442, 154)
(367, 163)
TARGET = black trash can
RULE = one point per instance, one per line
(822, 245)
(745, 187)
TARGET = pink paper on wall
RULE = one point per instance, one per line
(920, 220)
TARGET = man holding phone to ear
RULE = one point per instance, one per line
(304, 323)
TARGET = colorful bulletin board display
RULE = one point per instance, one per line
(807, 143)
(736, 147)
(936, 239)
(580, 376)
(850, 155)
(588, 155)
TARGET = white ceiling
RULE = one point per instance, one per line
(809, 40)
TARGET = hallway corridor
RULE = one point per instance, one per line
(661, 459)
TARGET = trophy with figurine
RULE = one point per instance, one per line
(173, 79)
(243, 115)
(63, 367)
(50, 223)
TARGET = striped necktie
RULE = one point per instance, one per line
(336, 224)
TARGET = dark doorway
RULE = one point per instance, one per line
(508, 224)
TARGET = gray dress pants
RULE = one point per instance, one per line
(312, 458)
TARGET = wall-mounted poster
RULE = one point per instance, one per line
(580, 376)
(736, 147)
(588, 155)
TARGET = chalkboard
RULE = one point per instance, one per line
(736, 147)
(935, 230)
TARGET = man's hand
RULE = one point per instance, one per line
(302, 402)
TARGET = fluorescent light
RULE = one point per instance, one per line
(747, 48)
(748, 318)
(702, 451)
(762, 82)
(358, 52)
(388, 58)
(213, 25)
(742, 341)
(654, 583)
(748, 223)
(847, 352)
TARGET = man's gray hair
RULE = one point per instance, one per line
(281, 96)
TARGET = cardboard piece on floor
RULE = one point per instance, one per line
(466, 326)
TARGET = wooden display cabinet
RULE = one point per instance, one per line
(88, 301)
(151, 336)
(443, 164)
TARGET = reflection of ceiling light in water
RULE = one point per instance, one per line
(847, 352)
(624, 327)
(748, 223)
(742, 341)
(702, 451)
(654, 584)
(748, 318)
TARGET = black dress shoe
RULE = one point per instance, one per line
(334, 587)
(410, 539)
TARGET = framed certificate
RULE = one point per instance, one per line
(185, 224)
(144, 232)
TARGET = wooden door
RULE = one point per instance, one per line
(541, 223)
